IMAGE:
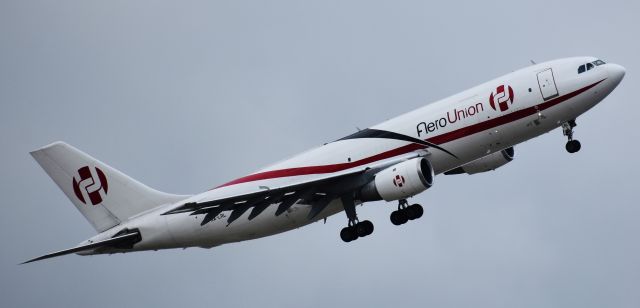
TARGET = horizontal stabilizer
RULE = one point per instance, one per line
(119, 241)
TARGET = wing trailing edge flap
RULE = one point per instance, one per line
(240, 209)
(258, 204)
(260, 207)
(318, 206)
(287, 203)
(265, 191)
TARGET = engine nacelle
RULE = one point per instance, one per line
(487, 163)
(399, 181)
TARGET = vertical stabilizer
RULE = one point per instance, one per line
(104, 195)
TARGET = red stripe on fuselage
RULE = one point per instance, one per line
(440, 139)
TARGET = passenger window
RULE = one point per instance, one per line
(589, 66)
(581, 69)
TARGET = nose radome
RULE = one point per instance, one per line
(616, 72)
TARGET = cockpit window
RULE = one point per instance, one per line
(581, 69)
(585, 67)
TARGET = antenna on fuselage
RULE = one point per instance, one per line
(533, 62)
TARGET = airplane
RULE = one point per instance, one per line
(470, 132)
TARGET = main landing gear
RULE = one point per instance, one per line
(567, 130)
(356, 228)
(406, 212)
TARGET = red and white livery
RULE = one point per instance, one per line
(469, 132)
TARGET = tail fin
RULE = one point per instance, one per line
(104, 195)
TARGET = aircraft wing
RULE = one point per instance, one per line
(317, 192)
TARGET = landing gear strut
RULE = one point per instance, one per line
(355, 228)
(406, 212)
(567, 130)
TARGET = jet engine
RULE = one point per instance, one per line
(399, 181)
(487, 163)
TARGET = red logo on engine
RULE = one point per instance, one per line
(503, 96)
(398, 181)
(90, 185)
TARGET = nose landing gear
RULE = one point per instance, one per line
(573, 145)
(406, 212)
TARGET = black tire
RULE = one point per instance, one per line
(394, 218)
(573, 146)
(416, 211)
(408, 211)
(399, 217)
(403, 217)
(411, 212)
(348, 234)
(354, 233)
(364, 228)
(361, 229)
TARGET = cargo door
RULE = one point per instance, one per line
(547, 84)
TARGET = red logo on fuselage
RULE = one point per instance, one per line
(503, 97)
(90, 185)
(398, 181)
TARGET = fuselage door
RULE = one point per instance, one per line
(547, 84)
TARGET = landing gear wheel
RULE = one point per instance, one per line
(567, 130)
(414, 211)
(356, 228)
(399, 217)
(573, 146)
(349, 234)
(406, 212)
(364, 228)
(411, 214)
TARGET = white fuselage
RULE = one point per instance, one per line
(528, 102)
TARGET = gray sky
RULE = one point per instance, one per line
(185, 95)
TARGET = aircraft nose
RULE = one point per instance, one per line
(616, 73)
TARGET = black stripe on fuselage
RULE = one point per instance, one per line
(384, 134)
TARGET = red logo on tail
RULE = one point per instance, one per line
(503, 96)
(90, 185)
